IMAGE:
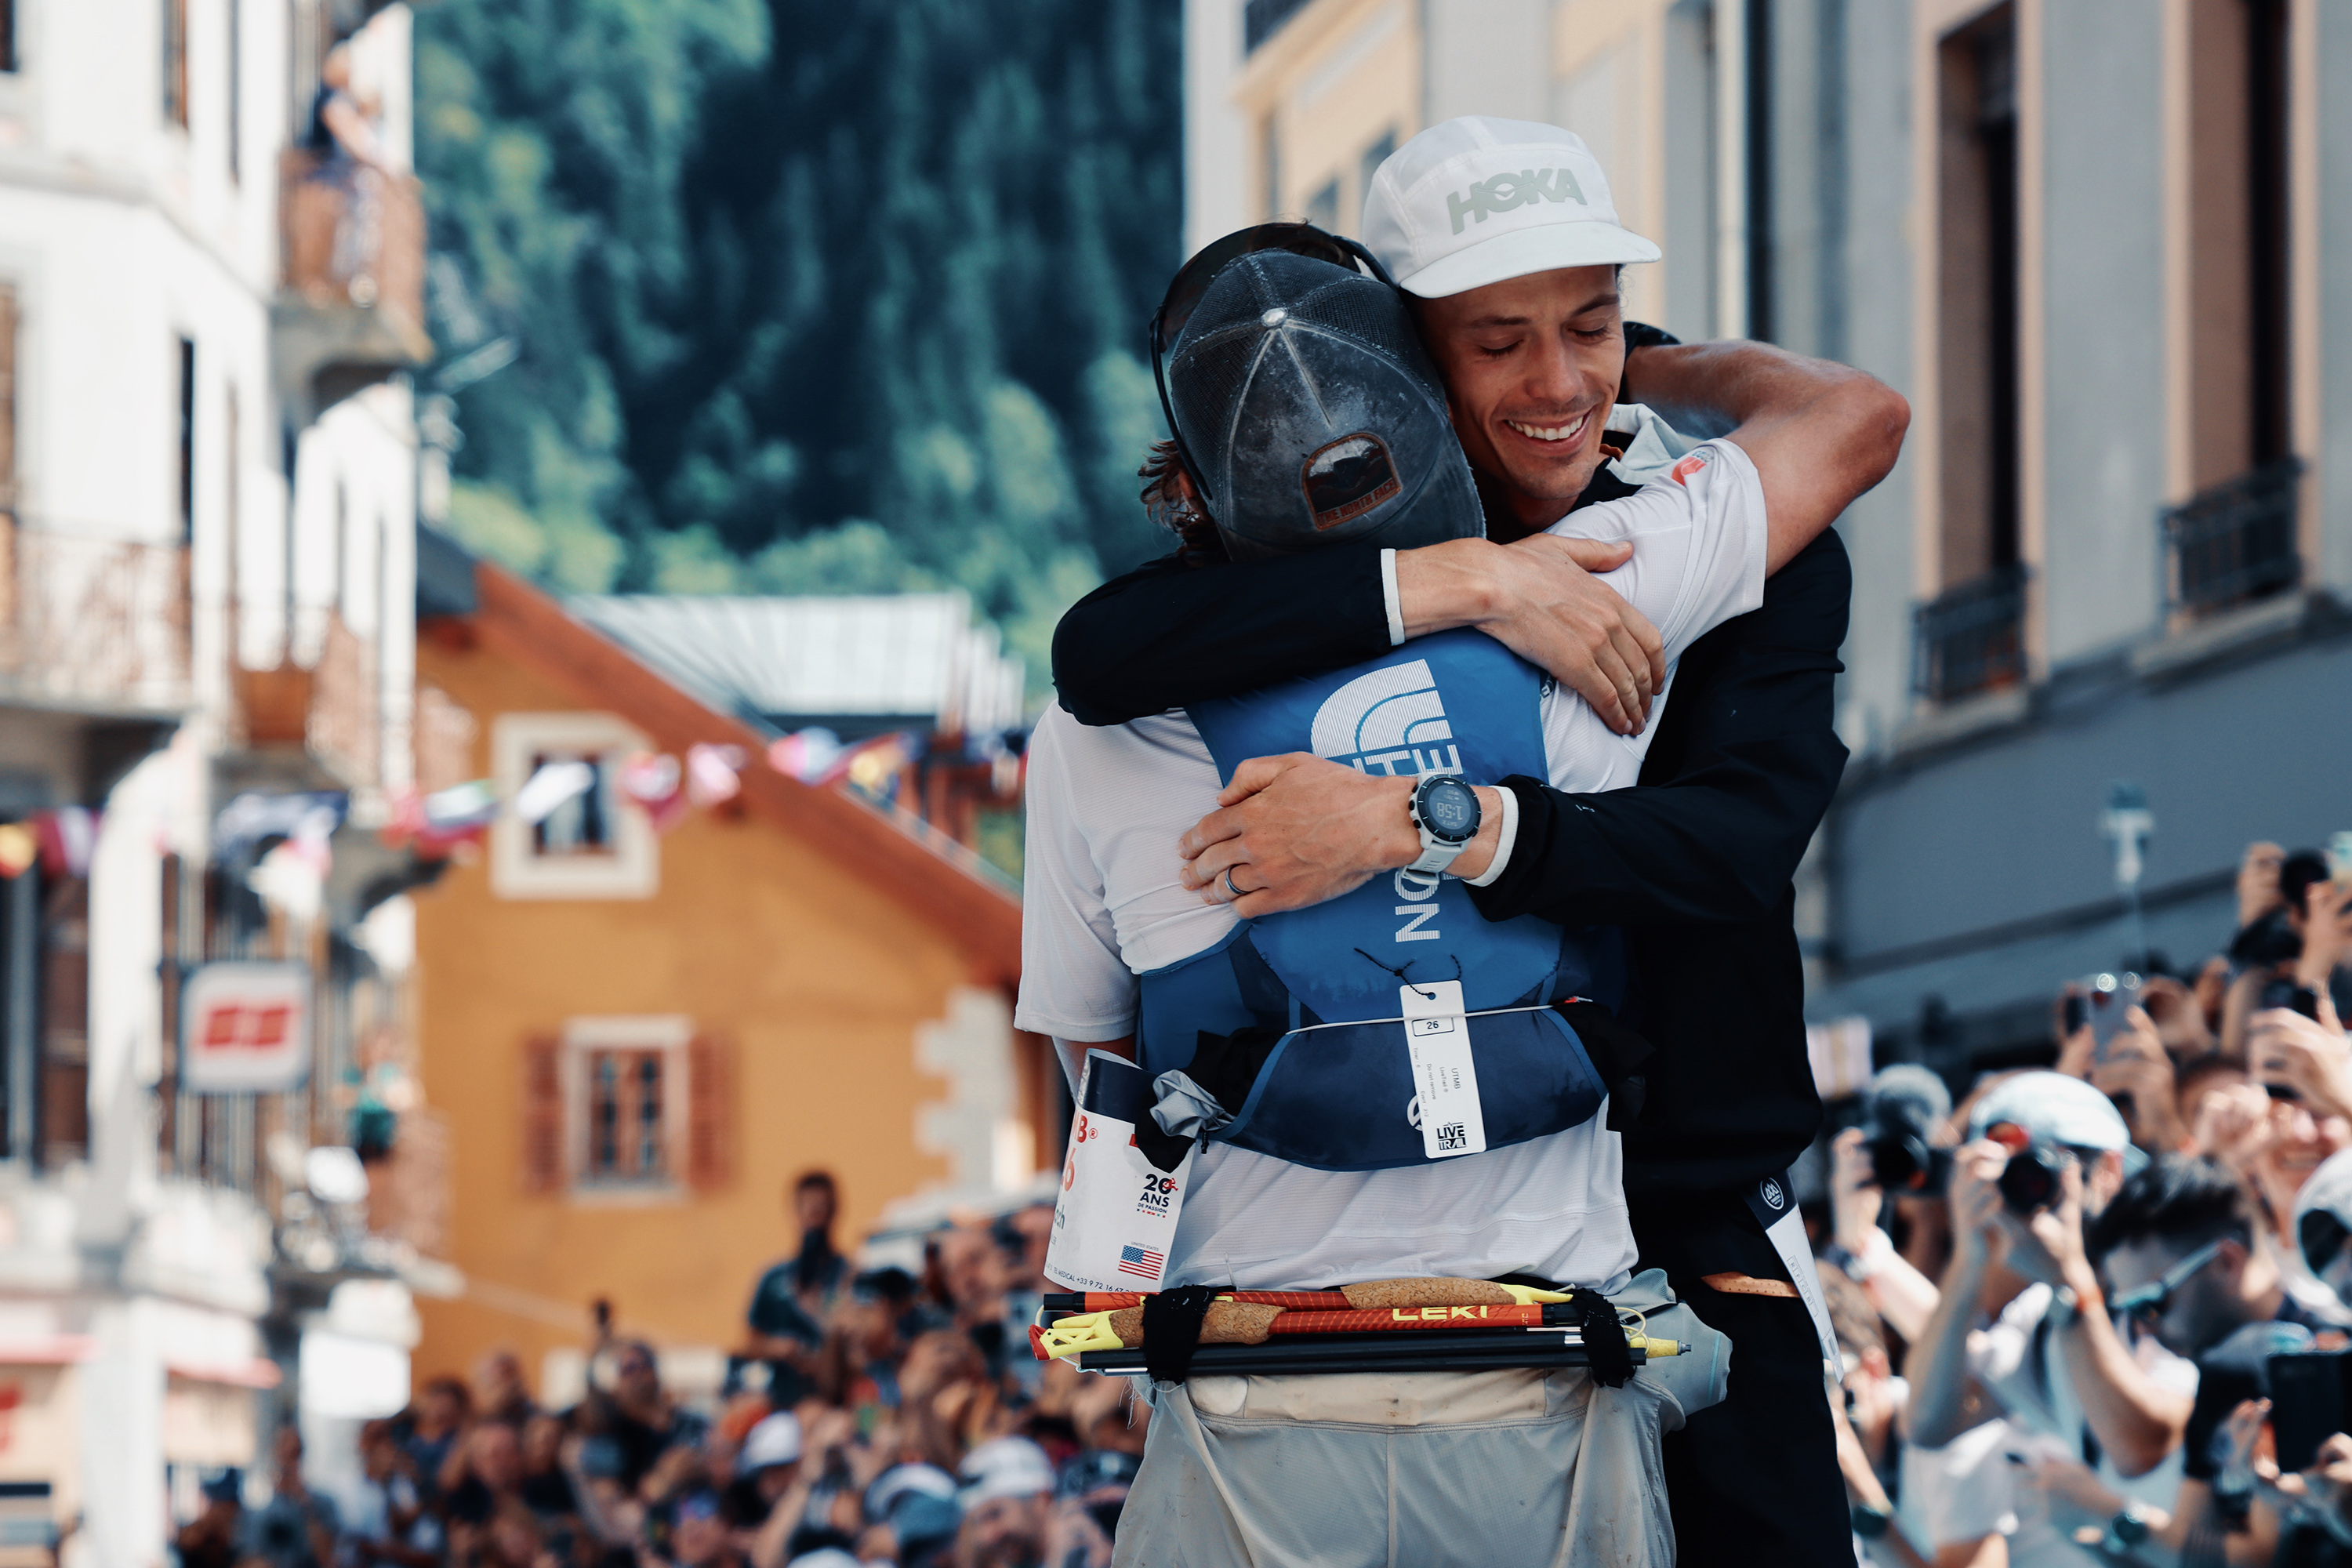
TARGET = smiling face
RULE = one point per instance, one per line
(1531, 367)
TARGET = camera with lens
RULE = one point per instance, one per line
(2029, 1182)
(1901, 1160)
(1905, 1105)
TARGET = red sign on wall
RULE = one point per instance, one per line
(246, 1029)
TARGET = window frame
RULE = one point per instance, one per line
(668, 1036)
(631, 870)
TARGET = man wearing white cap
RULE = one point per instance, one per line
(1503, 237)
(2073, 1382)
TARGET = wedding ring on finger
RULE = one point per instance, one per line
(1229, 888)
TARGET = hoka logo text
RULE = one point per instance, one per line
(1504, 193)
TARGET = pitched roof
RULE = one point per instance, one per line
(857, 664)
(933, 878)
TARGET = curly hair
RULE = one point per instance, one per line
(1174, 511)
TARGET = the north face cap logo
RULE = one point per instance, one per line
(1348, 478)
(1390, 721)
(1503, 192)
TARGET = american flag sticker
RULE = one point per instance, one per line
(1141, 1262)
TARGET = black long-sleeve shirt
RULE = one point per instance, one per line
(1696, 862)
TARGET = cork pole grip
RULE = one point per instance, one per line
(1378, 1294)
(1228, 1323)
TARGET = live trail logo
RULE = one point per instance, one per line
(1159, 1192)
(1391, 723)
(1504, 193)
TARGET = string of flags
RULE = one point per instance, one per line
(662, 784)
(665, 785)
(60, 841)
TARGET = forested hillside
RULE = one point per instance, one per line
(809, 297)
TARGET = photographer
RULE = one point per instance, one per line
(2045, 1149)
(1890, 1156)
(2189, 1261)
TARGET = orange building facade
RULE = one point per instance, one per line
(638, 1038)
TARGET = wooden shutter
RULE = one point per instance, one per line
(710, 1121)
(543, 1114)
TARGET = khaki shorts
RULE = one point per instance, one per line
(1512, 1468)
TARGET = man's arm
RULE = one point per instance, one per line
(1166, 634)
(1820, 434)
(1753, 759)
(1938, 1366)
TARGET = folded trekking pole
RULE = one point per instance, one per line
(1426, 1325)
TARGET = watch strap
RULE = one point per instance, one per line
(1436, 856)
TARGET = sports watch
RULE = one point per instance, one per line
(1444, 811)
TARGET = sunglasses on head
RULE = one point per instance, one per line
(2150, 1299)
(1193, 280)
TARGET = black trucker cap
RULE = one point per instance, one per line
(1302, 389)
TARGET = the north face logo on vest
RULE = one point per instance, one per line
(1391, 721)
(1503, 192)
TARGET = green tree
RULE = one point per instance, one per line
(810, 296)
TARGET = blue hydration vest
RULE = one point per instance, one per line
(1247, 1011)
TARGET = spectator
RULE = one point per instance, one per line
(546, 1488)
(499, 1391)
(1006, 1495)
(297, 1527)
(388, 1522)
(792, 1298)
(210, 1540)
(692, 1529)
(2187, 1256)
(429, 1431)
(2063, 1373)
(638, 1416)
(487, 1476)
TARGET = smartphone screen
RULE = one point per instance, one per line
(2307, 1403)
(2108, 1010)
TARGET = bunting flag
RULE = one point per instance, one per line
(19, 850)
(711, 773)
(656, 782)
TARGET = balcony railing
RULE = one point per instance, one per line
(2235, 543)
(352, 234)
(1970, 640)
(353, 242)
(1260, 19)
(330, 707)
(91, 622)
(344, 721)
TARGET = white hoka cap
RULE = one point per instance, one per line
(1473, 201)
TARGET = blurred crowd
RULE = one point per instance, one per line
(874, 1416)
(2099, 1310)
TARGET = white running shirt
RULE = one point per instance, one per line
(1102, 903)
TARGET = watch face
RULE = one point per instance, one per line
(1450, 809)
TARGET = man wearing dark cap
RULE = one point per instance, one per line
(1503, 234)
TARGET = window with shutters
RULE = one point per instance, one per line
(626, 1110)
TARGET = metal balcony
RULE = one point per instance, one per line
(91, 624)
(351, 308)
(1260, 19)
(327, 708)
(2233, 544)
(1971, 639)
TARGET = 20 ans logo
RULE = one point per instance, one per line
(1159, 1195)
